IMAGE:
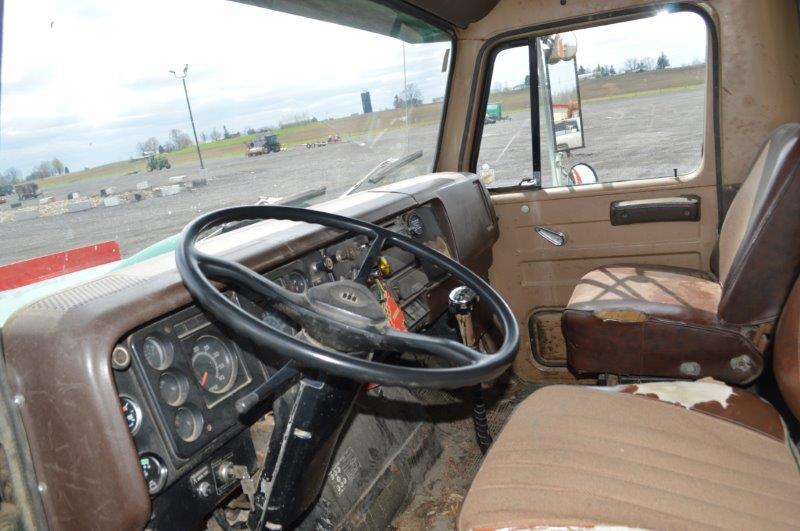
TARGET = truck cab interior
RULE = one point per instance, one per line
(586, 315)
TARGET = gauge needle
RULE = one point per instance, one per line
(204, 379)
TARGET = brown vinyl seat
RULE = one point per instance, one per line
(662, 455)
(670, 322)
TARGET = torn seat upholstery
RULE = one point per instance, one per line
(660, 455)
(659, 321)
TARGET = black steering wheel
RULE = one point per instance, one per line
(341, 322)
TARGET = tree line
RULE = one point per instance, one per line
(46, 168)
(176, 140)
(631, 64)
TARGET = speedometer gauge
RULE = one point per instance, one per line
(214, 365)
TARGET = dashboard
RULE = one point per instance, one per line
(179, 378)
(131, 391)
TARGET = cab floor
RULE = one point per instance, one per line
(438, 500)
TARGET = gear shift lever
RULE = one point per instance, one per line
(462, 304)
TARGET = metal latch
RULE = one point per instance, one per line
(555, 237)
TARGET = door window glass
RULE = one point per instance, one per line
(624, 101)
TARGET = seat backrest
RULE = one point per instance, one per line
(759, 244)
(786, 352)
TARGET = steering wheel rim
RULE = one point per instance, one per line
(196, 267)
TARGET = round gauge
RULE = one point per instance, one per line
(188, 423)
(157, 353)
(173, 388)
(155, 473)
(296, 282)
(213, 364)
(416, 227)
(278, 321)
(131, 412)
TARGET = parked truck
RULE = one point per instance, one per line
(494, 112)
(27, 191)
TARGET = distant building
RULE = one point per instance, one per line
(366, 102)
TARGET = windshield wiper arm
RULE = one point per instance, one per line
(297, 199)
(379, 172)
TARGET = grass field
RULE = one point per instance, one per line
(623, 85)
(620, 86)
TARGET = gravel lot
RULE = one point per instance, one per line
(626, 139)
(630, 138)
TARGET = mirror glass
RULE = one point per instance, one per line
(581, 174)
(560, 52)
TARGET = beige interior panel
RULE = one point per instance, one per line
(531, 273)
(759, 69)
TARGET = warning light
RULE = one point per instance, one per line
(384, 267)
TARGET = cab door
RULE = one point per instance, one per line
(599, 149)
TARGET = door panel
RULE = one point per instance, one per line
(532, 273)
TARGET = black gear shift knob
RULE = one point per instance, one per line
(462, 301)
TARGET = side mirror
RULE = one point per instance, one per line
(559, 53)
(581, 174)
(564, 47)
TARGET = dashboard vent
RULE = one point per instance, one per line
(80, 295)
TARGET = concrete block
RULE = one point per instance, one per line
(111, 201)
(45, 200)
(143, 185)
(79, 206)
(163, 191)
(74, 195)
(23, 215)
(177, 178)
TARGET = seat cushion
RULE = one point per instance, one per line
(655, 321)
(577, 456)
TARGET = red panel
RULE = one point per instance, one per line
(17, 274)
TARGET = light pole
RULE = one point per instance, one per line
(191, 117)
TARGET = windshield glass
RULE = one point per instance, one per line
(108, 107)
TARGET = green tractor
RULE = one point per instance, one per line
(263, 144)
(157, 162)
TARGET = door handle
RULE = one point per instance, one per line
(555, 237)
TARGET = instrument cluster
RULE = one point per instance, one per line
(178, 394)
(185, 374)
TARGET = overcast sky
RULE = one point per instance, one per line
(681, 36)
(85, 80)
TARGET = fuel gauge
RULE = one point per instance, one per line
(155, 473)
(131, 412)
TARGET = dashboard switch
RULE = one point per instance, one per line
(227, 471)
(203, 489)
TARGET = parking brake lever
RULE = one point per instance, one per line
(461, 302)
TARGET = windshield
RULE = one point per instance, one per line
(128, 120)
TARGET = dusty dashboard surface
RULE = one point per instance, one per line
(177, 375)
